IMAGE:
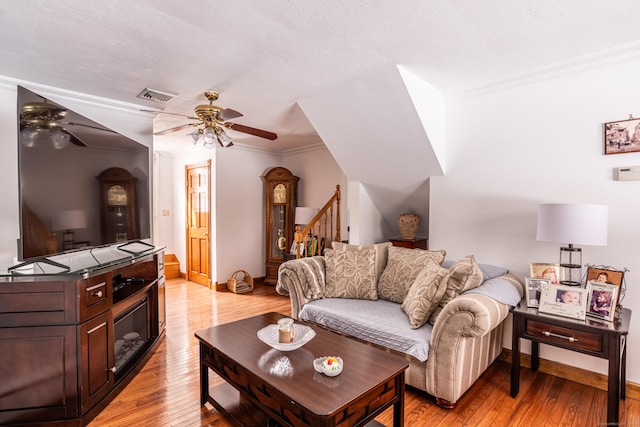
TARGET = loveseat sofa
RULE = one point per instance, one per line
(446, 317)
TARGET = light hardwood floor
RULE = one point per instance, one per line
(166, 391)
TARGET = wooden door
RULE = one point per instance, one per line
(198, 222)
(97, 355)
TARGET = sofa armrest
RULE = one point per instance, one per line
(303, 280)
(465, 340)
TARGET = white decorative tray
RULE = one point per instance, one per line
(302, 334)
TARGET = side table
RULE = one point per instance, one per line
(419, 243)
(594, 337)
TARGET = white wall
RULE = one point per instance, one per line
(511, 149)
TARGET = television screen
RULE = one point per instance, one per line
(81, 184)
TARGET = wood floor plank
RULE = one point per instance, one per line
(166, 391)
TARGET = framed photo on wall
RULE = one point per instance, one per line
(622, 136)
(561, 300)
(541, 270)
(602, 300)
(534, 288)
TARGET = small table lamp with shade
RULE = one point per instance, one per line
(581, 224)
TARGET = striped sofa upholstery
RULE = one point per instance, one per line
(465, 339)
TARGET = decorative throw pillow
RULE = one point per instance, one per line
(463, 275)
(350, 274)
(424, 294)
(380, 253)
(403, 266)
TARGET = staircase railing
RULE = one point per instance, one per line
(323, 229)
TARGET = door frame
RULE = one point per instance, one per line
(203, 164)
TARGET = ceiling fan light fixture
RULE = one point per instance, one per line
(59, 138)
(195, 136)
(224, 139)
(28, 137)
(209, 137)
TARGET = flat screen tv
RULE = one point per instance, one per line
(63, 204)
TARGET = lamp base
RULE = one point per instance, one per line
(571, 266)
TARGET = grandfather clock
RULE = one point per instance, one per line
(281, 188)
(118, 216)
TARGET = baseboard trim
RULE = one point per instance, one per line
(571, 373)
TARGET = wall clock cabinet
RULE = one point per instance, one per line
(118, 213)
(281, 192)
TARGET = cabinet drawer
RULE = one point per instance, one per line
(95, 296)
(564, 337)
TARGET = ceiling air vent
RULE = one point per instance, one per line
(156, 95)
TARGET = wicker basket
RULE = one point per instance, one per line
(238, 286)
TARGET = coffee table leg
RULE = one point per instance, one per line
(398, 407)
(204, 377)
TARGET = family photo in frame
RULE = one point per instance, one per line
(540, 270)
(534, 288)
(561, 300)
(602, 300)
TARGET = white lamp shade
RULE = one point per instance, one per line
(581, 224)
(305, 214)
(70, 220)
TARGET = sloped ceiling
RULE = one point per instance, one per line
(379, 138)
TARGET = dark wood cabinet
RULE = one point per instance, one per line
(418, 243)
(281, 194)
(59, 337)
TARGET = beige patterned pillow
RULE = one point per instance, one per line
(380, 253)
(425, 294)
(350, 274)
(403, 266)
(463, 275)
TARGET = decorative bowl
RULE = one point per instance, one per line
(302, 334)
(329, 365)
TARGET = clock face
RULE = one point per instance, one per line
(116, 195)
(279, 194)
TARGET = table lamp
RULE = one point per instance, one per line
(572, 224)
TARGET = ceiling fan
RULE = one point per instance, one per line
(213, 120)
(39, 117)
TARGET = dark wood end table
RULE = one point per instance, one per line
(599, 338)
(284, 385)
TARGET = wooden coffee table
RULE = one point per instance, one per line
(285, 387)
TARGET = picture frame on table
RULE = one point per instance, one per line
(534, 288)
(542, 270)
(604, 275)
(602, 300)
(621, 137)
(293, 248)
(561, 300)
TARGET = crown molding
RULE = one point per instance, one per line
(615, 55)
(63, 94)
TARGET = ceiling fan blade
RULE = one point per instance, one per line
(177, 128)
(172, 114)
(74, 139)
(86, 126)
(251, 131)
(228, 114)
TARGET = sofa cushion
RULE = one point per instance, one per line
(379, 322)
(380, 253)
(403, 266)
(424, 294)
(463, 275)
(350, 274)
(488, 271)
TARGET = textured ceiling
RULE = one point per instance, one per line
(265, 56)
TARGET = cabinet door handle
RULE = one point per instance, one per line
(112, 369)
(564, 337)
(97, 294)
